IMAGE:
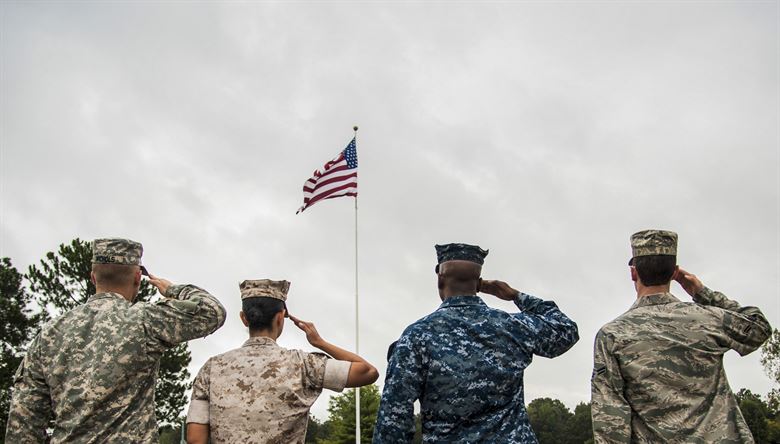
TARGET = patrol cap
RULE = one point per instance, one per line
(652, 243)
(264, 288)
(116, 251)
(460, 252)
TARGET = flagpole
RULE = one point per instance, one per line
(357, 317)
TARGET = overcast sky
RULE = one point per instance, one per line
(546, 132)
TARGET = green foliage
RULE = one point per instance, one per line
(61, 282)
(316, 430)
(17, 325)
(341, 416)
(756, 414)
(554, 423)
(171, 434)
(770, 359)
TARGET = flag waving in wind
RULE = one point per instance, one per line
(337, 178)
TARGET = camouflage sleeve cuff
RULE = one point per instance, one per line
(704, 296)
(173, 291)
(199, 412)
(336, 374)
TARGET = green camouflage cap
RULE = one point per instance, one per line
(264, 288)
(460, 252)
(653, 242)
(116, 251)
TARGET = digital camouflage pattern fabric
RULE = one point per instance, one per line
(264, 288)
(116, 251)
(465, 364)
(262, 393)
(658, 370)
(654, 242)
(460, 252)
(93, 369)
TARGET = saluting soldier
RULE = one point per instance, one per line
(93, 369)
(261, 392)
(465, 361)
(658, 369)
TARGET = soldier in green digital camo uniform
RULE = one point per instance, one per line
(658, 369)
(93, 369)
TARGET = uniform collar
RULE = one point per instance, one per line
(259, 341)
(655, 299)
(460, 301)
(108, 295)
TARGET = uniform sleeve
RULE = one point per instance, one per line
(30, 408)
(744, 328)
(610, 411)
(403, 385)
(322, 371)
(199, 402)
(188, 313)
(554, 332)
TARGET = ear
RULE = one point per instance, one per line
(676, 272)
(137, 279)
(92, 278)
(243, 318)
(634, 274)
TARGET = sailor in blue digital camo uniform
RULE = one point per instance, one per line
(465, 361)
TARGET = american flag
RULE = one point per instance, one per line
(337, 178)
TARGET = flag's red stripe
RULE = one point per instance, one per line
(315, 196)
(324, 195)
(329, 181)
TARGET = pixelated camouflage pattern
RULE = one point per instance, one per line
(264, 288)
(658, 370)
(94, 368)
(116, 251)
(654, 242)
(460, 252)
(465, 364)
(259, 393)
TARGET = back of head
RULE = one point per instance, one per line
(261, 300)
(115, 264)
(654, 255)
(655, 270)
(260, 312)
(114, 275)
(459, 268)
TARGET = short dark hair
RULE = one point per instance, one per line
(260, 311)
(656, 269)
(114, 275)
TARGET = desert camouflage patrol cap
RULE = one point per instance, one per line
(460, 252)
(116, 251)
(653, 242)
(264, 288)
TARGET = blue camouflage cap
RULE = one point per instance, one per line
(460, 252)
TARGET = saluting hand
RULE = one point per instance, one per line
(161, 284)
(499, 289)
(312, 335)
(689, 282)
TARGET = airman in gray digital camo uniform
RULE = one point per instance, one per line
(658, 369)
(93, 369)
(261, 392)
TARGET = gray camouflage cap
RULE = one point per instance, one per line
(116, 251)
(653, 242)
(460, 252)
(264, 288)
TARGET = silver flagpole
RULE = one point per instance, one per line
(357, 316)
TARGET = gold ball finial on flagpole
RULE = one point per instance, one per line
(355, 128)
